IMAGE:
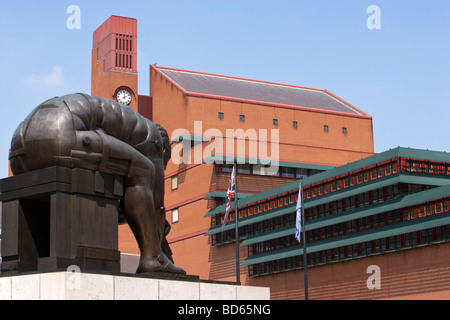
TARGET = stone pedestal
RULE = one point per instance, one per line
(87, 286)
(57, 217)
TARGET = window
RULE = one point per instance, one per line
(301, 173)
(374, 174)
(295, 124)
(388, 170)
(175, 182)
(287, 172)
(220, 115)
(275, 122)
(344, 130)
(325, 128)
(243, 168)
(227, 167)
(264, 170)
(346, 182)
(175, 215)
(242, 117)
(259, 169)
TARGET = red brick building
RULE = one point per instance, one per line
(214, 120)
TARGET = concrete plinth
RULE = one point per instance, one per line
(89, 286)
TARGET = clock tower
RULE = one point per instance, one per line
(114, 61)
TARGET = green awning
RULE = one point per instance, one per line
(363, 236)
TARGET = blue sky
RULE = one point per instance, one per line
(398, 74)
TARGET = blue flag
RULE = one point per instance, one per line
(298, 220)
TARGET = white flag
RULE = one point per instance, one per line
(298, 220)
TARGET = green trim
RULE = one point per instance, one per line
(223, 194)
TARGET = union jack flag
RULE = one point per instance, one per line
(231, 190)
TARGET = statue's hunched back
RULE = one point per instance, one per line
(80, 131)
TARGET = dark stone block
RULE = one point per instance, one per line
(57, 217)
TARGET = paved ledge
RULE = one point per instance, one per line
(90, 286)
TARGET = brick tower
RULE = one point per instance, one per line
(114, 61)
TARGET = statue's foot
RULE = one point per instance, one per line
(159, 263)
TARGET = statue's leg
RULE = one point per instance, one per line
(141, 216)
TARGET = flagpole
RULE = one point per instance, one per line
(238, 277)
(305, 262)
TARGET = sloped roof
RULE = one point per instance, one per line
(255, 91)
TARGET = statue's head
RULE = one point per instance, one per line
(167, 151)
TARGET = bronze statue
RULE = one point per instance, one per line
(80, 131)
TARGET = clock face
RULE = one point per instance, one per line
(123, 96)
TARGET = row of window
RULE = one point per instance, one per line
(254, 209)
(267, 170)
(362, 200)
(426, 210)
(442, 169)
(124, 42)
(220, 115)
(376, 172)
(350, 180)
(393, 243)
(344, 129)
(124, 61)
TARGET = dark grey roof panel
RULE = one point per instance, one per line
(217, 85)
